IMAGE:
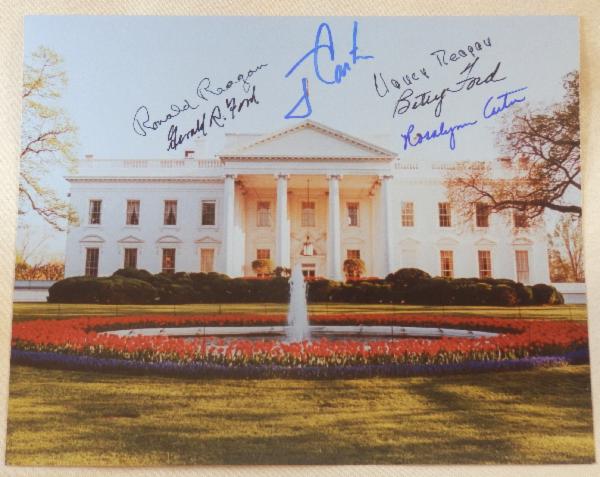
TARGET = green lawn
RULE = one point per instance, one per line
(28, 311)
(74, 418)
(77, 418)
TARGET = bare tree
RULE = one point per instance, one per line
(542, 168)
(566, 250)
(47, 140)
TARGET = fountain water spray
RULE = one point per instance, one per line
(298, 328)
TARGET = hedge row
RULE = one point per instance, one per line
(408, 285)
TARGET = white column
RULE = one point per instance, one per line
(228, 224)
(282, 233)
(334, 233)
(386, 225)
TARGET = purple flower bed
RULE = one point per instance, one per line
(204, 370)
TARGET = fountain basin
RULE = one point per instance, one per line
(316, 332)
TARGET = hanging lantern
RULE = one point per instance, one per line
(307, 248)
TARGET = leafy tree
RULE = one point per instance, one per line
(47, 138)
(542, 168)
(566, 250)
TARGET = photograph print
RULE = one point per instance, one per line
(299, 240)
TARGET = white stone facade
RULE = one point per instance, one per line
(271, 194)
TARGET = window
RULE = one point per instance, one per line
(130, 258)
(353, 254)
(95, 209)
(408, 214)
(522, 258)
(446, 263)
(308, 214)
(482, 215)
(91, 262)
(209, 212)
(263, 254)
(444, 214)
(520, 219)
(170, 215)
(168, 260)
(207, 258)
(263, 217)
(485, 263)
(353, 214)
(133, 212)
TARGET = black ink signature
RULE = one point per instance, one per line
(205, 122)
(409, 101)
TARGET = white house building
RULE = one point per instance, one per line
(308, 195)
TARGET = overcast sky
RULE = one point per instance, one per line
(116, 65)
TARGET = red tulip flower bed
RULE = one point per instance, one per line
(80, 340)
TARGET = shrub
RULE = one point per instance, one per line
(524, 294)
(472, 293)
(138, 274)
(407, 277)
(503, 295)
(116, 289)
(407, 285)
(546, 295)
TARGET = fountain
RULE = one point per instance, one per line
(298, 328)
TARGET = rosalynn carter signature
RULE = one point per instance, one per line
(492, 107)
(323, 56)
(143, 124)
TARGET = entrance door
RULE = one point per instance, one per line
(309, 270)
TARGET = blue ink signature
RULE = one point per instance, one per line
(434, 134)
(505, 103)
(413, 140)
(340, 70)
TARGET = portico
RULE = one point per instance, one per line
(312, 205)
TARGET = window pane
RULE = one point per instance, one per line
(482, 215)
(133, 212)
(408, 216)
(263, 217)
(170, 216)
(446, 263)
(522, 258)
(444, 214)
(520, 219)
(353, 214)
(263, 253)
(95, 209)
(130, 258)
(308, 214)
(207, 256)
(208, 212)
(353, 254)
(168, 260)
(91, 262)
(485, 263)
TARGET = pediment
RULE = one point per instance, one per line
(522, 241)
(447, 241)
(409, 243)
(168, 239)
(485, 242)
(131, 239)
(309, 140)
(207, 240)
(354, 240)
(92, 239)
